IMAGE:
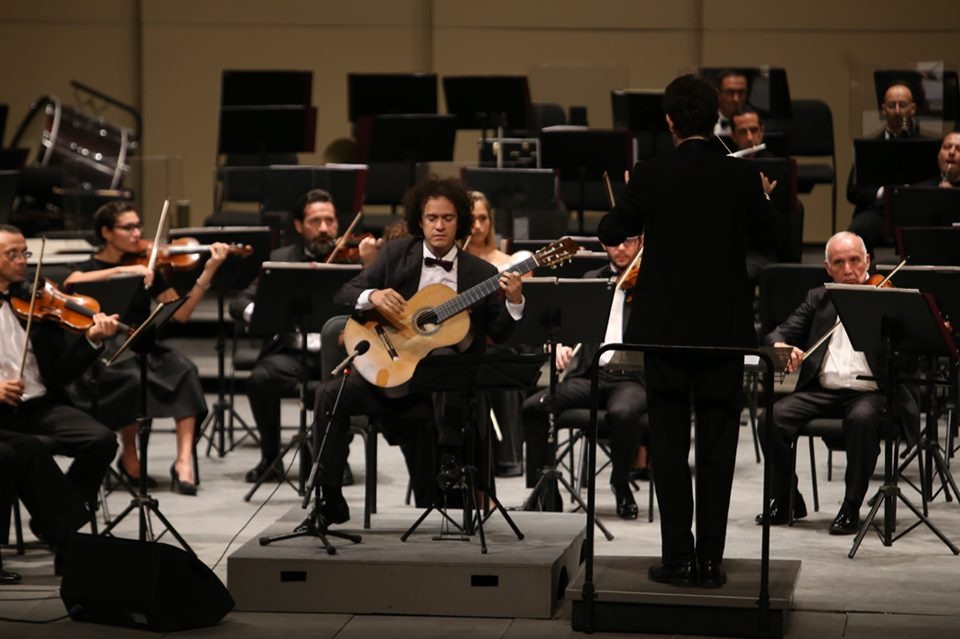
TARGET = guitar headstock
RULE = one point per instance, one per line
(562, 249)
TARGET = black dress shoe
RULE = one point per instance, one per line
(347, 476)
(626, 505)
(7, 577)
(847, 521)
(178, 486)
(134, 482)
(333, 507)
(778, 511)
(263, 467)
(682, 574)
(640, 474)
(711, 574)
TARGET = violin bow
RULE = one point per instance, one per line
(833, 330)
(152, 262)
(343, 238)
(33, 303)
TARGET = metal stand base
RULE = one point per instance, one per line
(313, 526)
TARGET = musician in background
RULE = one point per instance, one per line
(828, 387)
(173, 382)
(948, 161)
(732, 88)
(695, 242)
(748, 131)
(278, 367)
(622, 394)
(35, 402)
(437, 213)
(898, 110)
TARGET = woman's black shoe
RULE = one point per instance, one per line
(626, 505)
(134, 481)
(181, 487)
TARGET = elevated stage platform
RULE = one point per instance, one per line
(627, 601)
(421, 576)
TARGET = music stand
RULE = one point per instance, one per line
(513, 191)
(370, 94)
(586, 154)
(642, 113)
(141, 342)
(919, 206)
(909, 323)
(880, 162)
(488, 101)
(553, 314)
(467, 374)
(234, 274)
(934, 245)
(296, 297)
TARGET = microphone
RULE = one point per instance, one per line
(362, 347)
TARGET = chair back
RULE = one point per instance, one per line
(782, 288)
(810, 130)
(332, 351)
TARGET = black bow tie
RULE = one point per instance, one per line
(445, 265)
(724, 124)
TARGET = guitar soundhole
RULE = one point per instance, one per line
(427, 321)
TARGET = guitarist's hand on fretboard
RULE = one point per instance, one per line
(388, 301)
(510, 285)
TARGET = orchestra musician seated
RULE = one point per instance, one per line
(622, 393)
(278, 367)
(173, 382)
(437, 213)
(828, 387)
(32, 396)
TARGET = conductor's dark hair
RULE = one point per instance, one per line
(310, 197)
(691, 103)
(107, 216)
(451, 188)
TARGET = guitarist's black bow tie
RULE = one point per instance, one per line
(445, 265)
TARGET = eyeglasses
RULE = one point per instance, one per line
(13, 254)
(129, 228)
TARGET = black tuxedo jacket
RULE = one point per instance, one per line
(700, 211)
(398, 266)
(812, 319)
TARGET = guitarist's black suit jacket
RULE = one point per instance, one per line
(398, 266)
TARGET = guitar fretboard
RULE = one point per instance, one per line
(476, 293)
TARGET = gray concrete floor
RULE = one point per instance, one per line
(908, 589)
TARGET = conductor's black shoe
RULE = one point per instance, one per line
(333, 508)
(263, 467)
(682, 574)
(847, 521)
(626, 505)
(7, 577)
(711, 574)
(779, 511)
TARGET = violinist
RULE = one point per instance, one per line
(173, 382)
(828, 387)
(278, 367)
(622, 393)
(34, 402)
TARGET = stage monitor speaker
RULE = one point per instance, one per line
(152, 586)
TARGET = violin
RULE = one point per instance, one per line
(347, 249)
(72, 312)
(181, 254)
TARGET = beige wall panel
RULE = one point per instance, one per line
(68, 11)
(820, 65)
(831, 15)
(289, 13)
(182, 67)
(644, 60)
(567, 14)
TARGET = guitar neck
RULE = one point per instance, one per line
(476, 293)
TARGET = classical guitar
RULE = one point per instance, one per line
(435, 317)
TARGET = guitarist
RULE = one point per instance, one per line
(437, 213)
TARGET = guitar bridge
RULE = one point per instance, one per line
(387, 344)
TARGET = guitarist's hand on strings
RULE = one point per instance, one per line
(510, 285)
(387, 300)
